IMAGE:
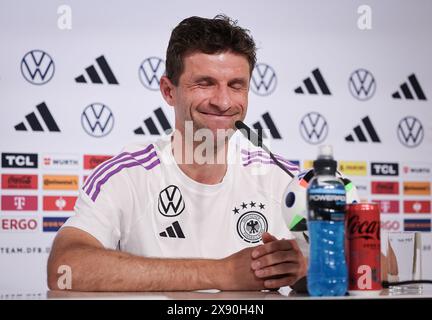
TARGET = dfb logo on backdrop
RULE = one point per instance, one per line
(313, 128)
(150, 72)
(97, 120)
(264, 79)
(410, 132)
(362, 84)
(37, 67)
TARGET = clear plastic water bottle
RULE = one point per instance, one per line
(326, 199)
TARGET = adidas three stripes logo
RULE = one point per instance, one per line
(361, 134)
(36, 119)
(173, 231)
(95, 76)
(310, 87)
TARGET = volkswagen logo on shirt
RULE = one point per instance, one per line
(410, 132)
(37, 67)
(263, 80)
(150, 72)
(313, 128)
(170, 201)
(362, 84)
(97, 120)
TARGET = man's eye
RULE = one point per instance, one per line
(204, 83)
(237, 86)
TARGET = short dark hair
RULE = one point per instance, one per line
(196, 34)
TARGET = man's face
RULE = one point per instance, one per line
(212, 91)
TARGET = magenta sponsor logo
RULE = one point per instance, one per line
(388, 206)
(19, 203)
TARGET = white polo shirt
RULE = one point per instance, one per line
(141, 202)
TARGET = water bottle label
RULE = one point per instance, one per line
(325, 205)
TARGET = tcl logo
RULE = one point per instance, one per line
(390, 225)
(92, 161)
(19, 160)
(18, 203)
(385, 187)
(18, 224)
(384, 169)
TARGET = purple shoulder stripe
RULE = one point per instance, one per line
(107, 164)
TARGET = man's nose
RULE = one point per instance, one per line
(221, 98)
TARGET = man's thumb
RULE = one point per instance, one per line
(267, 237)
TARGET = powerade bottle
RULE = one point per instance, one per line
(326, 199)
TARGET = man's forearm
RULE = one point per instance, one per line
(98, 269)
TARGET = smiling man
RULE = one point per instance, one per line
(182, 213)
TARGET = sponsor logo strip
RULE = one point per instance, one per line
(19, 181)
(56, 182)
(19, 203)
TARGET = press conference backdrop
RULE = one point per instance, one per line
(79, 80)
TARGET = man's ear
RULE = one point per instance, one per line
(167, 89)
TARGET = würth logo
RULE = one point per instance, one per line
(35, 120)
(313, 128)
(19, 160)
(268, 121)
(37, 67)
(94, 73)
(312, 84)
(170, 201)
(150, 72)
(360, 134)
(173, 231)
(150, 125)
(362, 84)
(97, 120)
(410, 90)
(263, 80)
(410, 132)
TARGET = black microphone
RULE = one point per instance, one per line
(256, 140)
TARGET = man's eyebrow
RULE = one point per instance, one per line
(203, 78)
(238, 80)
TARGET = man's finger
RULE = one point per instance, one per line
(276, 245)
(281, 282)
(275, 258)
(278, 270)
(267, 237)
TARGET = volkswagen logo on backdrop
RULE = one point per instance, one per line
(97, 120)
(362, 84)
(313, 128)
(37, 67)
(150, 72)
(263, 80)
(410, 132)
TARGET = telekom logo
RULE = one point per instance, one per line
(19, 202)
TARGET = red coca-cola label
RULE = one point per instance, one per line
(92, 161)
(364, 247)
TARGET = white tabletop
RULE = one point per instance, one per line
(426, 292)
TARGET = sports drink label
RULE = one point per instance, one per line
(325, 204)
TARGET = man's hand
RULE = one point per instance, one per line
(237, 274)
(278, 262)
